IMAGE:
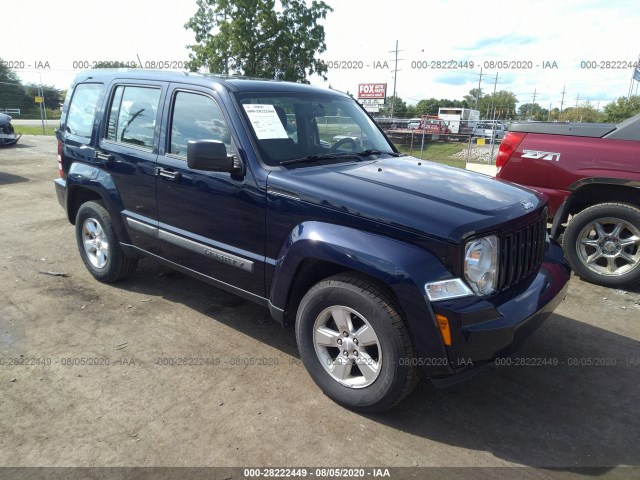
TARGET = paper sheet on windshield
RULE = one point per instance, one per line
(265, 121)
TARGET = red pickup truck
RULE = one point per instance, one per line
(591, 174)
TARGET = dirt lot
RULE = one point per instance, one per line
(235, 412)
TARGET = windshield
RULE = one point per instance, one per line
(293, 126)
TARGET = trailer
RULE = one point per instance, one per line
(461, 120)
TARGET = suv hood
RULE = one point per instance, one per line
(425, 197)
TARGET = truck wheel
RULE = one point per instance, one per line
(602, 244)
(99, 246)
(354, 344)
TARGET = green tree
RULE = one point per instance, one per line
(254, 38)
(399, 107)
(622, 109)
(584, 113)
(431, 106)
(12, 93)
(428, 107)
(502, 104)
(473, 98)
(53, 96)
(529, 110)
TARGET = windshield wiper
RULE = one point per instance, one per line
(330, 156)
(373, 151)
(322, 156)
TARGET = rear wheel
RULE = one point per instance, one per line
(354, 343)
(99, 246)
(602, 244)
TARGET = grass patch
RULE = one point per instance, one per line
(440, 152)
(34, 130)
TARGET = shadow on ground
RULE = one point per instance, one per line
(8, 179)
(16, 146)
(582, 412)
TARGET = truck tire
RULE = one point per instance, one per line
(354, 344)
(98, 245)
(602, 244)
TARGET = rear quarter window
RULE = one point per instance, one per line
(82, 109)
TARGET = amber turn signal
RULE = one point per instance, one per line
(443, 323)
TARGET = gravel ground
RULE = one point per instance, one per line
(478, 154)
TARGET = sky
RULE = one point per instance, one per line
(514, 39)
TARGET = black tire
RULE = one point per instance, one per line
(109, 264)
(594, 230)
(393, 354)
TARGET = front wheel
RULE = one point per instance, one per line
(99, 246)
(354, 344)
(602, 244)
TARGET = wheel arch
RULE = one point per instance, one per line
(601, 190)
(76, 197)
(88, 183)
(316, 250)
(313, 270)
(592, 191)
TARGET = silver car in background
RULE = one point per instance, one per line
(489, 130)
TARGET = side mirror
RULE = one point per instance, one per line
(211, 155)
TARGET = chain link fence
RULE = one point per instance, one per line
(450, 148)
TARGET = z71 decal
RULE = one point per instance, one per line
(535, 154)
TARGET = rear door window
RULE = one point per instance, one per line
(80, 118)
(133, 114)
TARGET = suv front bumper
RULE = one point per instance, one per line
(484, 329)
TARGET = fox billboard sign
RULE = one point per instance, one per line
(372, 90)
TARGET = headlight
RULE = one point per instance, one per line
(481, 264)
(447, 289)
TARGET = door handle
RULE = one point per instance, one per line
(105, 158)
(168, 174)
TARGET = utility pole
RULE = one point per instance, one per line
(395, 77)
(479, 88)
(562, 102)
(43, 108)
(533, 103)
(495, 85)
(493, 117)
(577, 100)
